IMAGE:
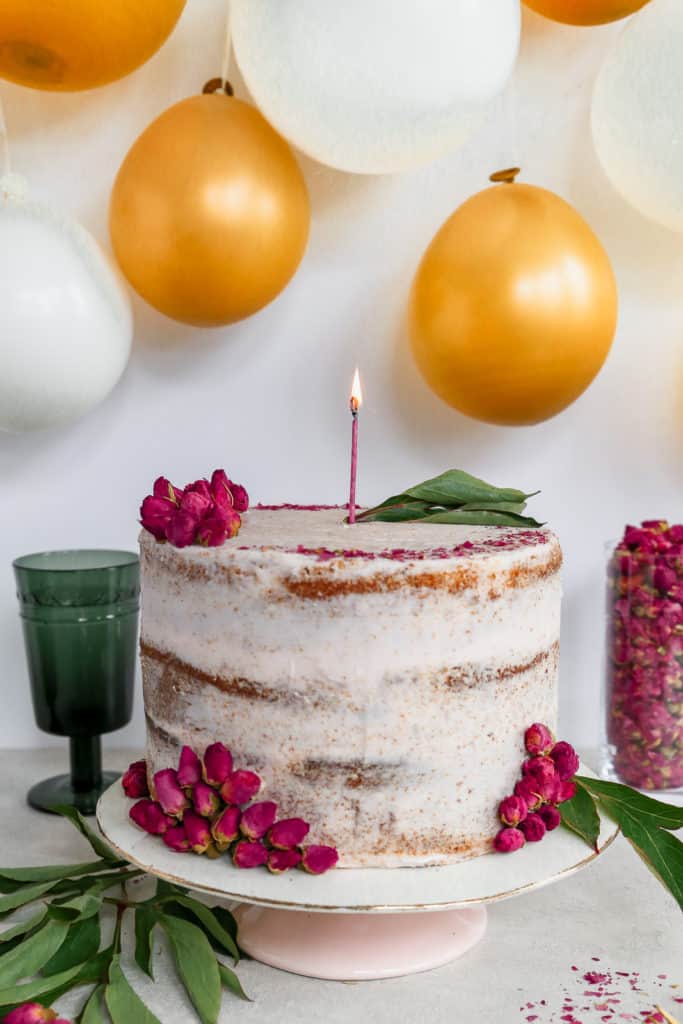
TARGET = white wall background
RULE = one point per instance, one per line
(267, 397)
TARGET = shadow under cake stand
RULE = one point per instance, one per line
(349, 924)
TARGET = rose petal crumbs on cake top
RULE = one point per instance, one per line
(546, 781)
(203, 512)
(218, 817)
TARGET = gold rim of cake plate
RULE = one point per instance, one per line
(355, 908)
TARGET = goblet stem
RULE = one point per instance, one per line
(86, 763)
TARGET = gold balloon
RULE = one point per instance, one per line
(514, 306)
(586, 12)
(209, 215)
(65, 45)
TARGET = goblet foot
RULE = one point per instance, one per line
(51, 793)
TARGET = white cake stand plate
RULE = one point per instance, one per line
(349, 924)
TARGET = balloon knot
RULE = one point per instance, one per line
(216, 84)
(507, 176)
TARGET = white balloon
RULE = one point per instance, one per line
(65, 318)
(637, 115)
(375, 86)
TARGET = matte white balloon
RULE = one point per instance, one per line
(638, 113)
(375, 86)
(65, 318)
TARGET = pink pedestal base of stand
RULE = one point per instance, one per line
(357, 947)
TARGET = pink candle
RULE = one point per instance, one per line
(354, 405)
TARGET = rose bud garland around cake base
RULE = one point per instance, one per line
(205, 807)
(547, 780)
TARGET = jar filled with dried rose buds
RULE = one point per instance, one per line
(644, 692)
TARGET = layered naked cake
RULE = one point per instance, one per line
(378, 677)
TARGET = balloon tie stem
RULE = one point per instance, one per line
(222, 83)
(506, 177)
(5, 162)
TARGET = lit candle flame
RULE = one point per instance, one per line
(356, 393)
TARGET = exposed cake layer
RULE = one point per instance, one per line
(381, 694)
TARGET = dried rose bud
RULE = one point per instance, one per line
(249, 855)
(189, 768)
(240, 787)
(564, 791)
(226, 827)
(150, 817)
(512, 810)
(155, 515)
(228, 494)
(316, 860)
(205, 800)
(257, 819)
(181, 528)
(533, 828)
(217, 764)
(508, 840)
(566, 760)
(527, 788)
(196, 503)
(288, 833)
(176, 839)
(30, 1013)
(283, 860)
(168, 792)
(538, 739)
(163, 488)
(134, 781)
(540, 768)
(550, 817)
(197, 832)
(216, 527)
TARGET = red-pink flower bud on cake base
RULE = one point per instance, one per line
(532, 828)
(134, 781)
(282, 860)
(189, 768)
(257, 819)
(197, 831)
(226, 827)
(288, 833)
(240, 787)
(150, 817)
(508, 840)
(247, 854)
(217, 764)
(168, 792)
(512, 810)
(205, 800)
(316, 860)
(538, 739)
(176, 839)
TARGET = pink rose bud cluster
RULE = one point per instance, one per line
(207, 806)
(134, 781)
(32, 1013)
(205, 512)
(645, 656)
(547, 780)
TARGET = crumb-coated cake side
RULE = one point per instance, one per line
(378, 677)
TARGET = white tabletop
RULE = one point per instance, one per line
(613, 911)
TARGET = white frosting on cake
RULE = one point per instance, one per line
(381, 693)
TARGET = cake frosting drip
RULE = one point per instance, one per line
(381, 690)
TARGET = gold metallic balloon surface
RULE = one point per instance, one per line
(514, 306)
(66, 45)
(586, 12)
(209, 215)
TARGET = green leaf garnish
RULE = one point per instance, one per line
(146, 920)
(27, 959)
(123, 1002)
(200, 914)
(454, 497)
(93, 1011)
(196, 965)
(26, 894)
(98, 844)
(82, 943)
(230, 981)
(580, 815)
(53, 872)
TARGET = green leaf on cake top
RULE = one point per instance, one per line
(454, 497)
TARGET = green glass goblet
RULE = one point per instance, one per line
(79, 612)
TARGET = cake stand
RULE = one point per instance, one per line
(352, 924)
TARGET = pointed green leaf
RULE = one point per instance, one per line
(98, 844)
(230, 981)
(77, 909)
(54, 872)
(145, 922)
(27, 894)
(81, 944)
(659, 813)
(455, 487)
(23, 928)
(580, 815)
(516, 507)
(661, 851)
(208, 921)
(226, 919)
(93, 1011)
(456, 516)
(30, 956)
(404, 512)
(197, 966)
(36, 990)
(123, 1003)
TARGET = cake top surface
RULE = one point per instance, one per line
(322, 534)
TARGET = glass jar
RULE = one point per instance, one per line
(644, 675)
